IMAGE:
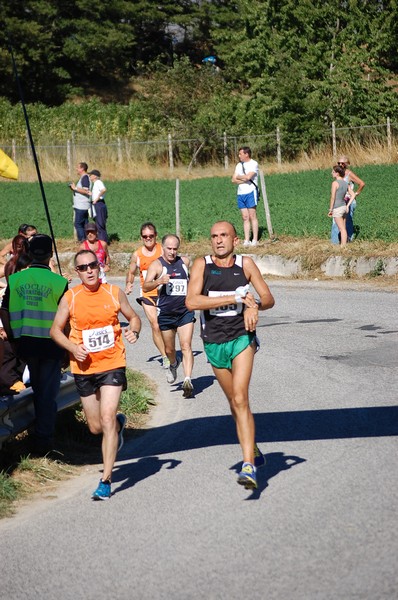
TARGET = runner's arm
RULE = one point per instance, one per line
(57, 333)
(133, 331)
(131, 274)
(107, 264)
(195, 300)
(154, 277)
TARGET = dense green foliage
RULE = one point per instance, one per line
(298, 203)
(296, 64)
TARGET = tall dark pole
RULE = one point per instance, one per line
(14, 66)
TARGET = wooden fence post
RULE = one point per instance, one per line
(28, 148)
(171, 159)
(389, 144)
(177, 197)
(266, 206)
(13, 150)
(334, 146)
(278, 146)
(69, 158)
(119, 151)
(226, 162)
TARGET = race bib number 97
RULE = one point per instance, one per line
(230, 309)
(101, 338)
(177, 287)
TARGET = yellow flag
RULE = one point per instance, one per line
(8, 168)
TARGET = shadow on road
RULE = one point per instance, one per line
(145, 467)
(275, 462)
(270, 427)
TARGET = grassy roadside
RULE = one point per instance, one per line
(23, 477)
(313, 252)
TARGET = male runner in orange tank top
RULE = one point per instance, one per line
(97, 354)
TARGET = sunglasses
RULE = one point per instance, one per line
(148, 237)
(83, 268)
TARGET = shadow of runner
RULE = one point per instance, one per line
(288, 426)
(275, 462)
(142, 469)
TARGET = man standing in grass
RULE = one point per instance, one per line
(246, 177)
(81, 200)
(100, 211)
(97, 354)
(169, 273)
(141, 259)
(219, 287)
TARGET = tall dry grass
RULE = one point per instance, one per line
(132, 166)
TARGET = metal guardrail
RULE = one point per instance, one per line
(17, 412)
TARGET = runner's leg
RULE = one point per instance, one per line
(185, 333)
(152, 316)
(235, 385)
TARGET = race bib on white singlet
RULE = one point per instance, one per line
(177, 287)
(229, 310)
(98, 339)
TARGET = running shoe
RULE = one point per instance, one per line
(187, 388)
(165, 362)
(103, 491)
(122, 420)
(247, 476)
(259, 460)
(247, 243)
(172, 374)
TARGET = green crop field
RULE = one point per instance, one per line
(298, 204)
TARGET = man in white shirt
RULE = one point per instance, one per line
(81, 200)
(246, 177)
(98, 191)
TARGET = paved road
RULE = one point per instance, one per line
(322, 524)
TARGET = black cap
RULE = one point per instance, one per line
(95, 172)
(90, 227)
(41, 246)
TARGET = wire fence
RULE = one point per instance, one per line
(190, 152)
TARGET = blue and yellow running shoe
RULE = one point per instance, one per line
(247, 476)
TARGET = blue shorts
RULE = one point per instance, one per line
(247, 200)
(168, 321)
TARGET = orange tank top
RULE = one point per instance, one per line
(94, 322)
(143, 263)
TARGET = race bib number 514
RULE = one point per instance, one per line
(99, 339)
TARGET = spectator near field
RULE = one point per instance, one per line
(20, 245)
(339, 207)
(219, 287)
(29, 306)
(98, 191)
(246, 177)
(99, 248)
(352, 180)
(6, 253)
(141, 259)
(97, 354)
(81, 200)
(169, 273)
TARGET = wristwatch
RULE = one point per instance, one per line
(137, 335)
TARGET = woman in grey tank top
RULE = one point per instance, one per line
(338, 208)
